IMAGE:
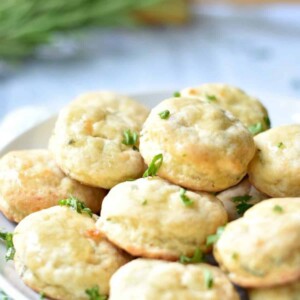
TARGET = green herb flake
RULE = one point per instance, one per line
(211, 98)
(130, 138)
(208, 278)
(176, 94)
(235, 256)
(267, 121)
(71, 142)
(164, 114)
(42, 295)
(94, 294)
(10, 249)
(242, 204)
(255, 128)
(145, 202)
(197, 257)
(278, 209)
(280, 145)
(76, 205)
(213, 238)
(154, 166)
(185, 199)
(4, 296)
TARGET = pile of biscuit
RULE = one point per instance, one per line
(201, 172)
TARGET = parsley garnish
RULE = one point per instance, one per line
(280, 145)
(185, 199)
(10, 249)
(213, 238)
(130, 138)
(76, 205)
(267, 121)
(197, 257)
(211, 98)
(154, 165)
(208, 278)
(4, 296)
(164, 114)
(94, 294)
(255, 128)
(278, 209)
(242, 204)
(176, 94)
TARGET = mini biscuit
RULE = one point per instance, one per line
(284, 292)
(275, 169)
(88, 139)
(154, 279)
(152, 218)
(30, 180)
(203, 147)
(262, 248)
(59, 253)
(249, 110)
(239, 198)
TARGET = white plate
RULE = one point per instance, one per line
(281, 109)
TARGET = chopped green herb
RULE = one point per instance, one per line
(235, 256)
(213, 238)
(185, 199)
(76, 205)
(242, 203)
(94, 294)
(42, 295)
(267, 121)
(130, 138)
(10, 249)
(208, 278)
(145, 202)
(176, 94)
(154, 165)
(198, 257)
(164, 114)
(280, 145)
(4, 296)
(278, 209)
(71, 142)
(256, 128)
(211, 98)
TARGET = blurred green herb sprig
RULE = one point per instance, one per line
(26, 24)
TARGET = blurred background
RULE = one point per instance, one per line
(50, 51)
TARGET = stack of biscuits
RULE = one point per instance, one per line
(129, 204)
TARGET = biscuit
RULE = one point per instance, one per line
(262, 248)
(59, 253)
(30, 180)
(154, 279)
(89, 136)
(249, 110)
(204, 148)
(284, 292)
(152, 218)
(275, 169)
(239, 198)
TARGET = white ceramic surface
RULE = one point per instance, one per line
(281, 109)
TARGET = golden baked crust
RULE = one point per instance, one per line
(59, 253)
(148, 218)
(243, 189)
(262, 248)
(275, 169)
(249, 110)
(154, 279)
(30, 180)
(204, 148)
(283, 292)
(88, 135)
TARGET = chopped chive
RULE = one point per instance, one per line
(154, 166)
(176, 94)
(164, 114)
(185, 199)
(278, 209)
(213, 238)
(208, 278)
(197, 257)
(76, 205)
